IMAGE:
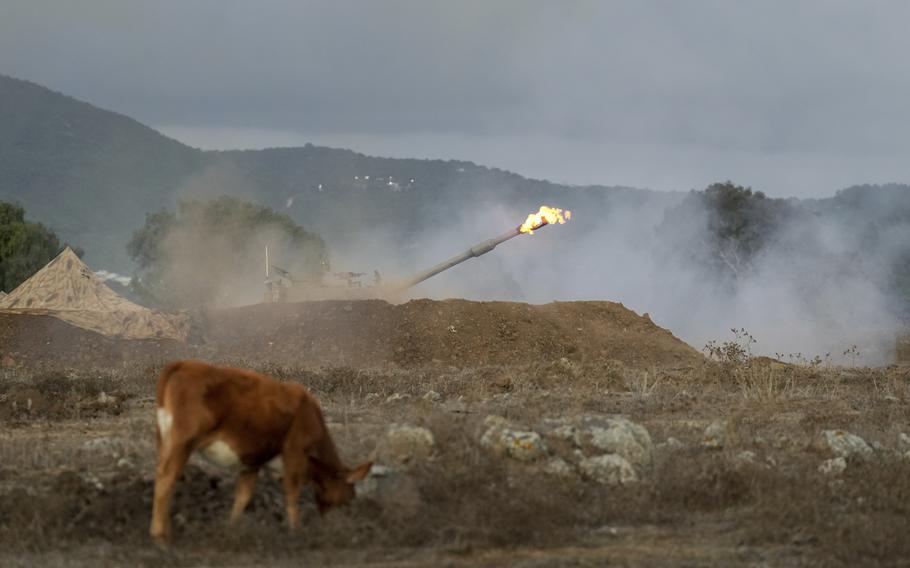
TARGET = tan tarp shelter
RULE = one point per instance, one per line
(68, 290)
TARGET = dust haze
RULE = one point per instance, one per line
(813, 290)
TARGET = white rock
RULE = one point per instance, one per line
(903, 442)
(715, 435)
(106, 399)
(397, 397)
(370, 484)
(405, 444)
(833, 466)
(609, 469)
(569, 433)
(495, 420)
(843, 444)
(559, 467)
(745, 458)
(670, 445)
(523, 445)
(622, 437)
(432, 396)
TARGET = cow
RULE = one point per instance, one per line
(245, 421)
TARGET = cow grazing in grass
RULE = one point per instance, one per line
(245, 421)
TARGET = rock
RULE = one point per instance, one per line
(397, 397)
(559, 467)
(715, 435)
(370, 484)
(609, 469)
(126, 463)
(833, 466)
(622, 437)
(523, 445)
(846, 445)
(405, 445)
(432, 396)
(92, 479)
(745, 458)
(495, 420)
(569, 433)
(504, 382)
(903, 442)
(670, 445)
(105, 399)
(504, 440)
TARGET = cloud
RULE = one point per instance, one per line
(795, 98)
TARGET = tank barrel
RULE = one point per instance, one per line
(479, 249)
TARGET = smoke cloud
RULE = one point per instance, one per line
(819, 285)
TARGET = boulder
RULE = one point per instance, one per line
(715, 435)
(833, 466)
(405, 445)
(504, 440)
(621, 437)
(609, 469)
(559, 467)
(845, 445)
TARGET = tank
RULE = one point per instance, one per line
(282, 287)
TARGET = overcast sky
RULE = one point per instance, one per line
(789, 97)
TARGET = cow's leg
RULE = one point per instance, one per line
(296, 472)
(170, 464)
(292, 484)
(243, 491)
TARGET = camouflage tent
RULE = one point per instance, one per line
(67, 289)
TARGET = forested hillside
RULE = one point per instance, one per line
(92, 175)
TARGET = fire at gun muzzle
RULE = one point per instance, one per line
(545, 216)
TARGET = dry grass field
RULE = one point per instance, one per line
(735, 468)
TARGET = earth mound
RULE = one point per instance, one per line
(368, 334)
(37, 340)
(458, 333)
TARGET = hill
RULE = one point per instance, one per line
(92, 175)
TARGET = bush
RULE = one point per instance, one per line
(25, 247)
(212, 252)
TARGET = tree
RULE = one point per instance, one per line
(724, 228)
(25, 247)
(213, 252)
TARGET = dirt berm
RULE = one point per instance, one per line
(451, 332)
(373, 333)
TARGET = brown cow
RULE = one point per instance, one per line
(244, 420)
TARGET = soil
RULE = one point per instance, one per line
(77, 450)
(371, 333)
(452, 332)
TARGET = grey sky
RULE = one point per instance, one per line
(790, 97)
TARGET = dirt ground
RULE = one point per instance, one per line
(732, 477)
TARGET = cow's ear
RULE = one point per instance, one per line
(358, 472)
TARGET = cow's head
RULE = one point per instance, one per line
(335, 488)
